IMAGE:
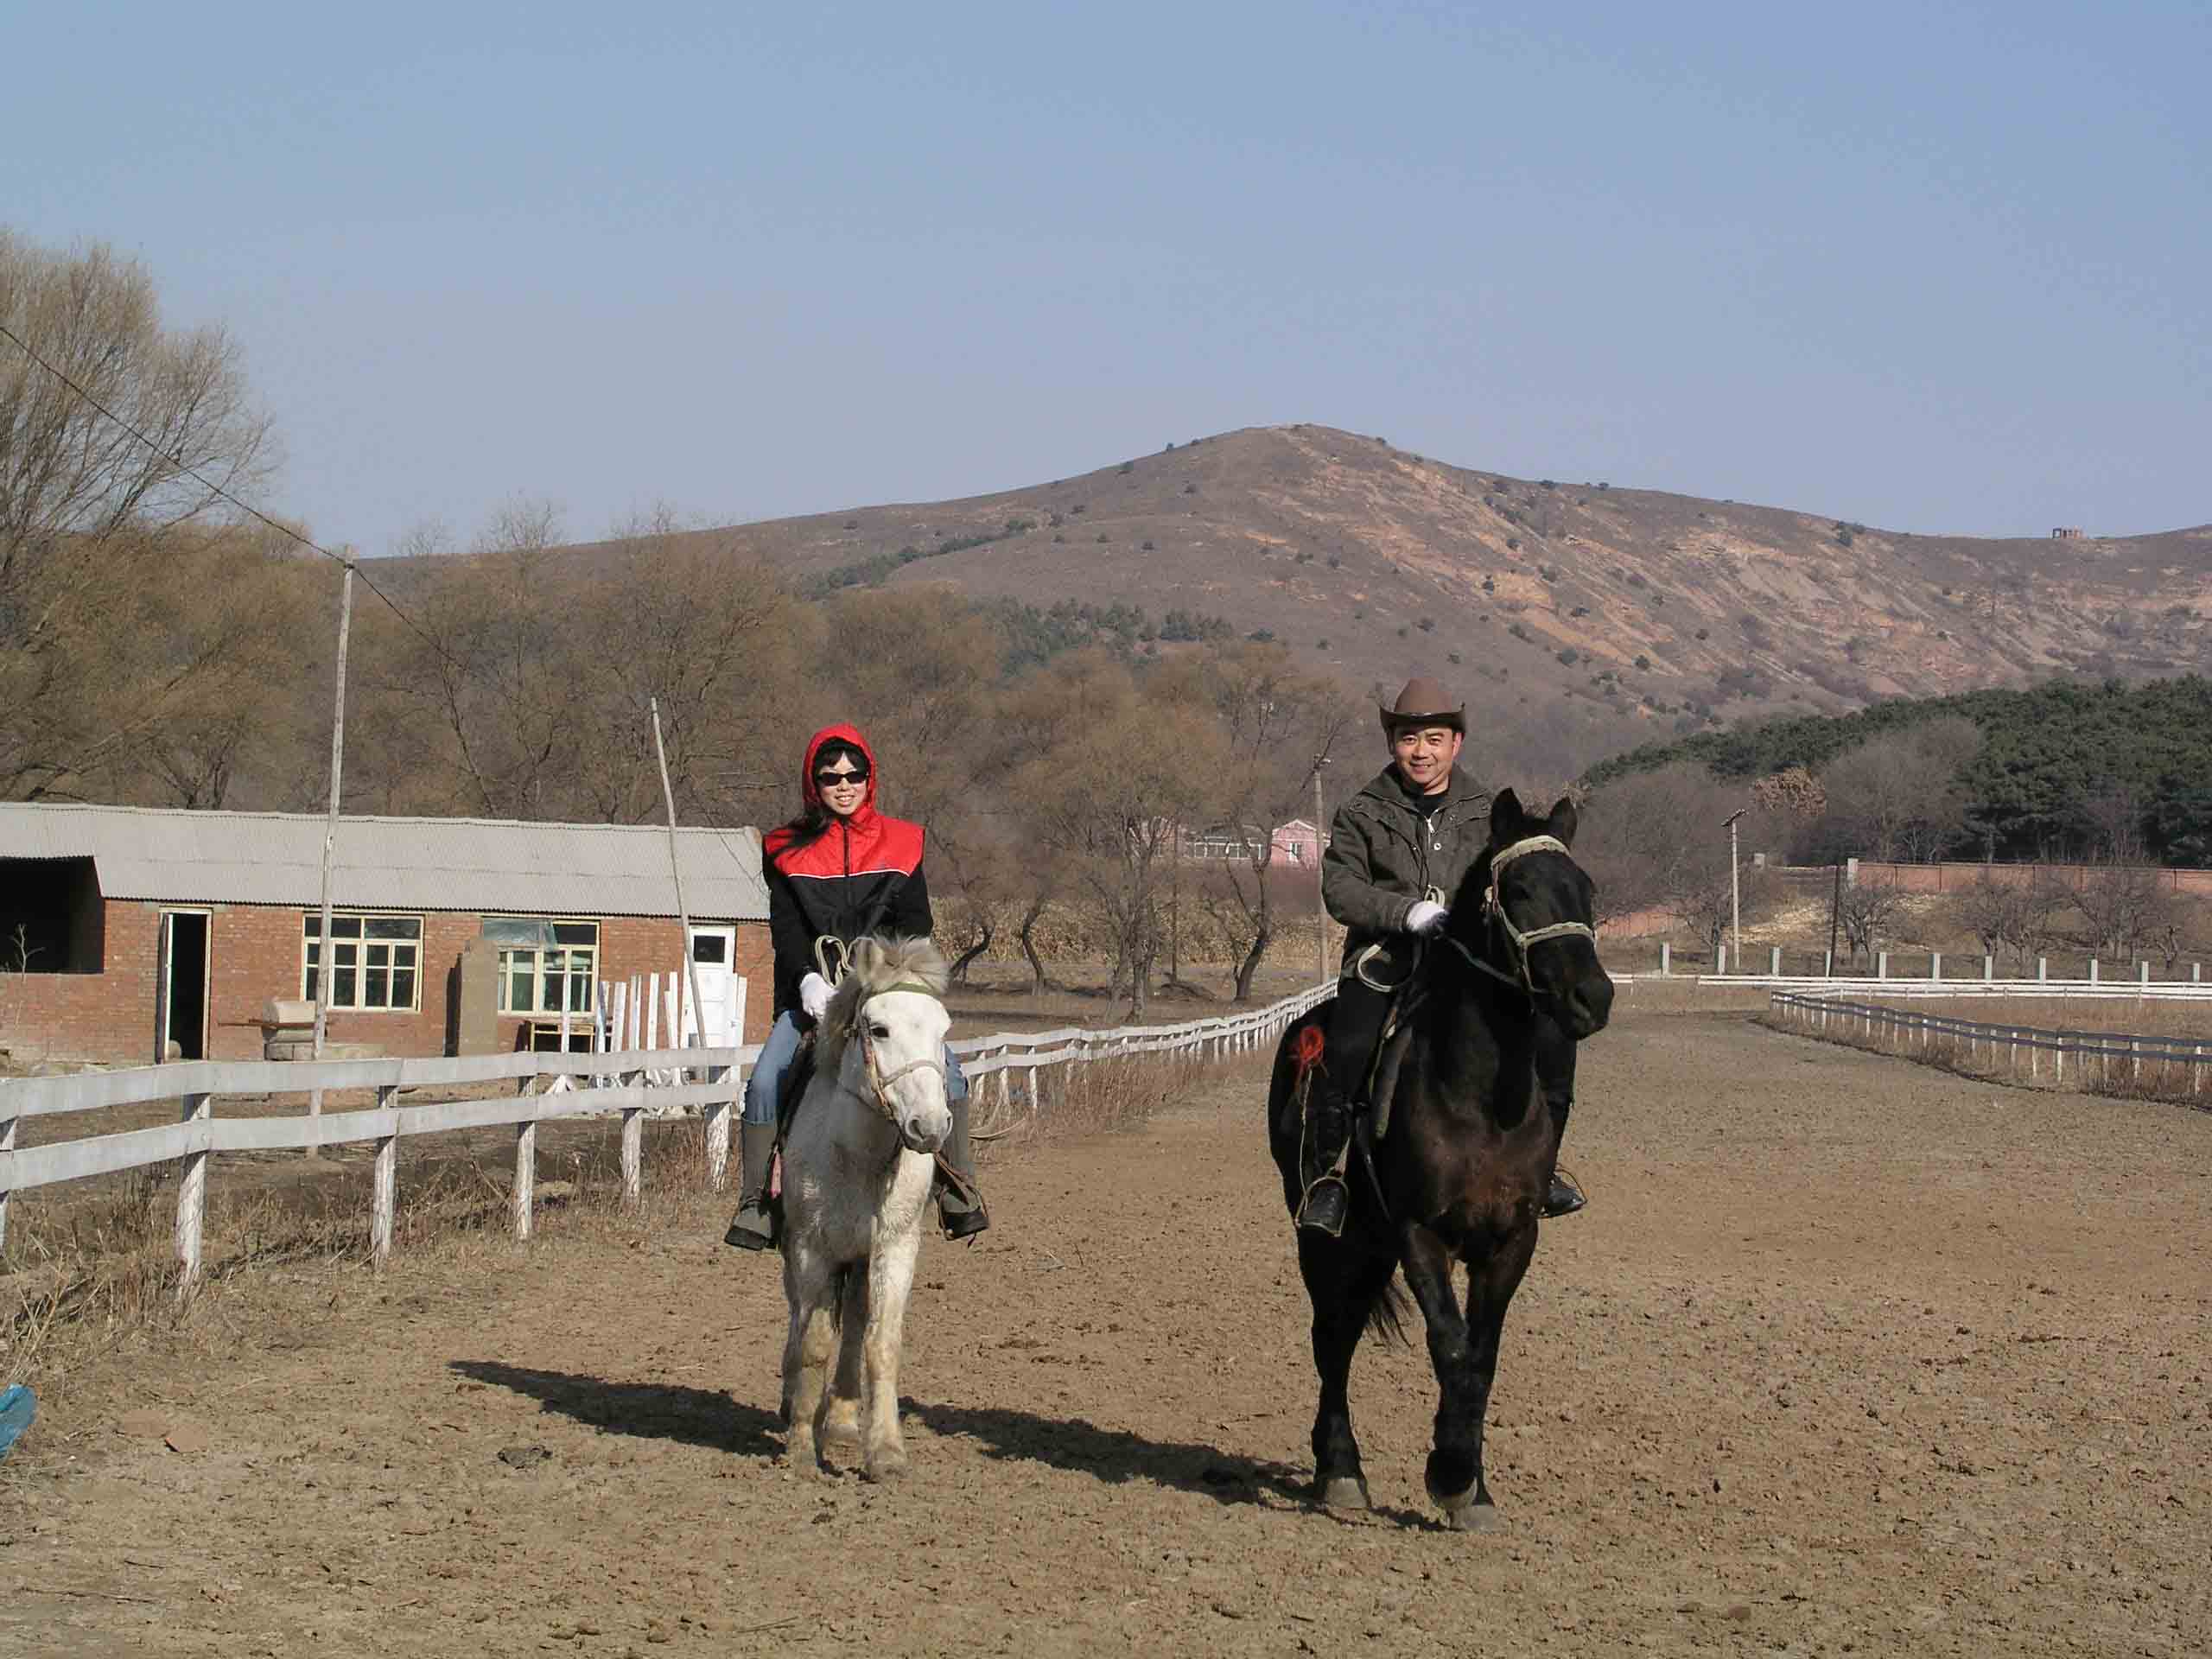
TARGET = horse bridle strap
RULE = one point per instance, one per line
(878, 1095)
(1495, 912)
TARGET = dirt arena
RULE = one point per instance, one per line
(1846, 1356)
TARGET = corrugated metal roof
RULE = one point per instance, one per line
(465, 864)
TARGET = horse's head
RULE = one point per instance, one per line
(883, 1034)
(1525, 910)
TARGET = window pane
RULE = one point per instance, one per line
(403, 987)
(395, 927)
(307, 990)
(376, 988)
(344, 987)
(342, 954)
(521, 993)
(709, 947)
(344, 927)
(576, 933)
(312, 926)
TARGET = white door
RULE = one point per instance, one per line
(721, 993)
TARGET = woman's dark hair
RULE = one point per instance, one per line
(813, 820)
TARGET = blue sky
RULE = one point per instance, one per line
(1939, 267)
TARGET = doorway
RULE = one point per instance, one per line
(183, 994)
(721, 993)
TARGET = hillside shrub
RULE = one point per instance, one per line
(1568, 656)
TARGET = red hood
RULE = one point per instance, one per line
(850, 734)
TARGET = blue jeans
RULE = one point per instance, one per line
(766, 1086)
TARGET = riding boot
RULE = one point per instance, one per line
(753, 1228)
(962, 1214)
(1565, 1197)
(1327, 1202)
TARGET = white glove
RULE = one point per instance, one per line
(813, 995)
(1425, 917)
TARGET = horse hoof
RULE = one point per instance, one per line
(842, 1429)
(1345, 1492)
(1473, 1517)
(886, 1465)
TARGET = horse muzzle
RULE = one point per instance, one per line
(926, 1131)
(1587, 1004)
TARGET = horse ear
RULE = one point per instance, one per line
(1505, 816)
(1562, 821)
(867, 958)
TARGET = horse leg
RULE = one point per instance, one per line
(1454, 1472)
(891, 1276)
(1342, 1282)
(806, 1351)
(841, 1413)
(1490, 1284)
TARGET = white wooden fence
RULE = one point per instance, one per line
(716, 1079)
(1987, 1045)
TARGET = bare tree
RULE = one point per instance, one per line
(86, 510)
(1901, 794)
(1866, 911)
(1278, 724)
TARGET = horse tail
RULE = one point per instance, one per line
(1386, 1316)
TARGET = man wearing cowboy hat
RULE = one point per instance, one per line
(1397, 851)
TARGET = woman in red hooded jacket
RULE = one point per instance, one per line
(841, 870)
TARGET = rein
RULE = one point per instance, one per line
(1496, 919)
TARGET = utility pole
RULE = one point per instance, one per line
(1735, 902)
(682, 911)
(1320, 908)
(1835, 909)
(326, 952)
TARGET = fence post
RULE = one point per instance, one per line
(2197, 973)
(525, 1193)
(1828, 964)
(1774, 961)
(2042, 969)
(1988, 968)
(718, 1116)
(383, 1208)
(2142, 973)
(2092, 970)
(7, 1144)
(191, 1202)
(1666, 959)
(1935, 966)
(1882, 965)
(634, 1151)
(1719, 960)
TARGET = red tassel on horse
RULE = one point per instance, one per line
(1307, 1050)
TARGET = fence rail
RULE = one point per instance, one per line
(2095, 1053)
(574, 1085)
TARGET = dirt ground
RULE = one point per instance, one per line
(1845, 1357)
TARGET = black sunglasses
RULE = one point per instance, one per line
(831, 780)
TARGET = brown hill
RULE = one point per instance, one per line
(1584, 618)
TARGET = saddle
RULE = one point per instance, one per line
(1324, 1125)
(796, 1082)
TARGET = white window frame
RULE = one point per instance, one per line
(400, 955)
(578, 964)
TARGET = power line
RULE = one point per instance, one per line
(214, 488)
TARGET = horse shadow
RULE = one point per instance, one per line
(1116, 1456)
(656, 1411)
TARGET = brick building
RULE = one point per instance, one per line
(127, 933)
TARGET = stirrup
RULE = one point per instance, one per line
(1327, 1203)
(738, 1236)
(1565, 1197)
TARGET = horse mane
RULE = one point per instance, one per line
(876, 964)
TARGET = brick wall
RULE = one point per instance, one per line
(255, 956)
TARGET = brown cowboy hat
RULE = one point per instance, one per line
(1424, 702)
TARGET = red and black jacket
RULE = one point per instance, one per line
(862, 874)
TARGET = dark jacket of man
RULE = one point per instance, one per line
(1384, 855)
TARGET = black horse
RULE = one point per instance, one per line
(1461, 1170)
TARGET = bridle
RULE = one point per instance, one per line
(1496, 920)
(879, 1085)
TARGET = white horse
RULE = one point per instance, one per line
(857, 1169)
